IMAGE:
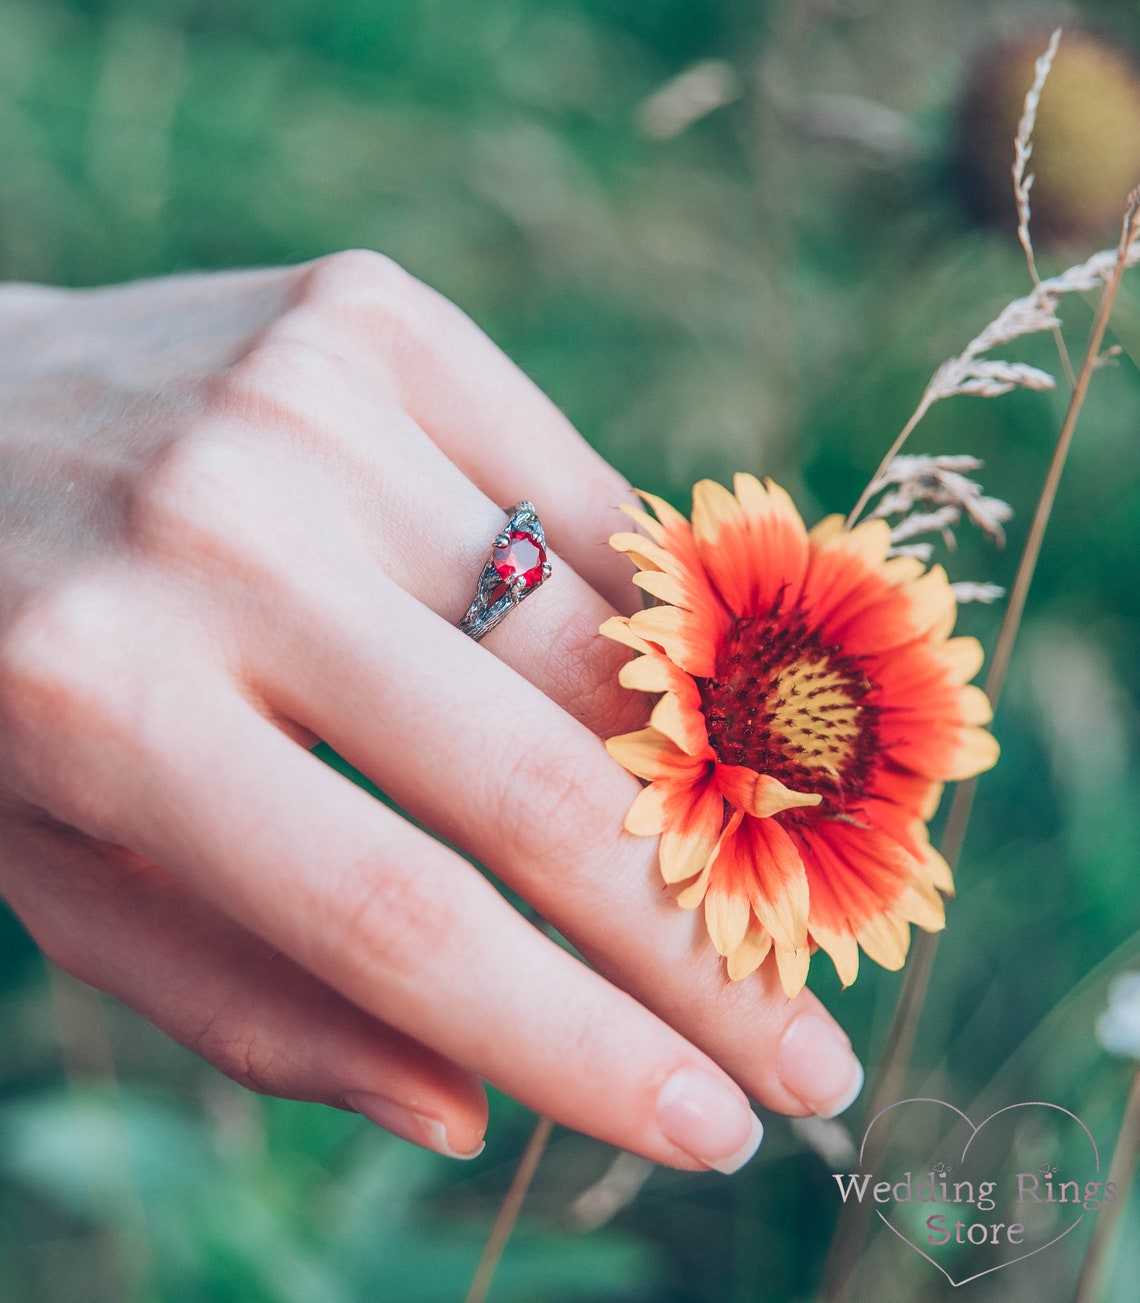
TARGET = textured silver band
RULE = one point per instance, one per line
(502, 585)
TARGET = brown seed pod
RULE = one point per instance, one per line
(1086, 144)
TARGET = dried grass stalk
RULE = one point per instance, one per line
(971, 373)
(1023, 148)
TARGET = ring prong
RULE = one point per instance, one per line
(547, 569)
(501, 540)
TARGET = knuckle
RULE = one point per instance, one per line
(586, 668)
(200, 502)
(58, 656)
(243, 1052)
(354, 276)
(361, 291)
(184, 488)
(65, 709)
(391, 920)
(545, 807)
(280, 385)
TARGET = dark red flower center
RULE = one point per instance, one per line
(785, 703)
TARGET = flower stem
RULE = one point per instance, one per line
(839, 1273)
(891, 453)
(1120, 1174)
(1028, 562)
(509, 1211)
(851, 1229)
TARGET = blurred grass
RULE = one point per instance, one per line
(758, 292)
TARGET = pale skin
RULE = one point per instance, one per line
(243, 512)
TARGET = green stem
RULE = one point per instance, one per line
(1120, 1173)
(891, 453)
(509, 1212)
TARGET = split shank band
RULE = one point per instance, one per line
(516, 567)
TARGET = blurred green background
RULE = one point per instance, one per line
(755, 267)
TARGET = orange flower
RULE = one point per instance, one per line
(812, 705)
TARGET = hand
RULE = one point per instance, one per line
(243, 512)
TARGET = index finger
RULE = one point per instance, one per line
(413, 935)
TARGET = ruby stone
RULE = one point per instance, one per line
(523, 555)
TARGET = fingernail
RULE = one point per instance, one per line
(709, 1120)
(406, 1123)
(816, 1064)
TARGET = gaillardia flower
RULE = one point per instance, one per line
(812, 705)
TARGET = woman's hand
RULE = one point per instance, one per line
(242, 512)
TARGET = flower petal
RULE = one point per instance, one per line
(975, 705)
(649, 754)
(692, 895)
(759, 794)
(679, 717)
(672, 553)
(934, 607)
(792, 966)
(652, 673)
(937, 871)
(641, 549)
(824, 532)
(870, 541)
(646, 816)
(678, 556)
(750, 954)
(715, 509)
(662, 586)
(977, 752)
(720, 529)
(757, 861)
(691, 835)
(886, 939)
(753, 545)
(857, 607)
(921, 904)
(726, 917)
(841, 948)
(617, 629)
(779, 542)
(645, 521)
(687, 642)
(941, 752)
(898, 569)
(933, 799)
(672, 522)
(961, 657)
(900, 796)
(855, 874)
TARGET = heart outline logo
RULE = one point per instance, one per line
(974, 1131)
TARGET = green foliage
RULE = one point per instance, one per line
(284, 1204)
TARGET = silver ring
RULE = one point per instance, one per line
(516, 567)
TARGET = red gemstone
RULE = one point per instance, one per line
(523, 555)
